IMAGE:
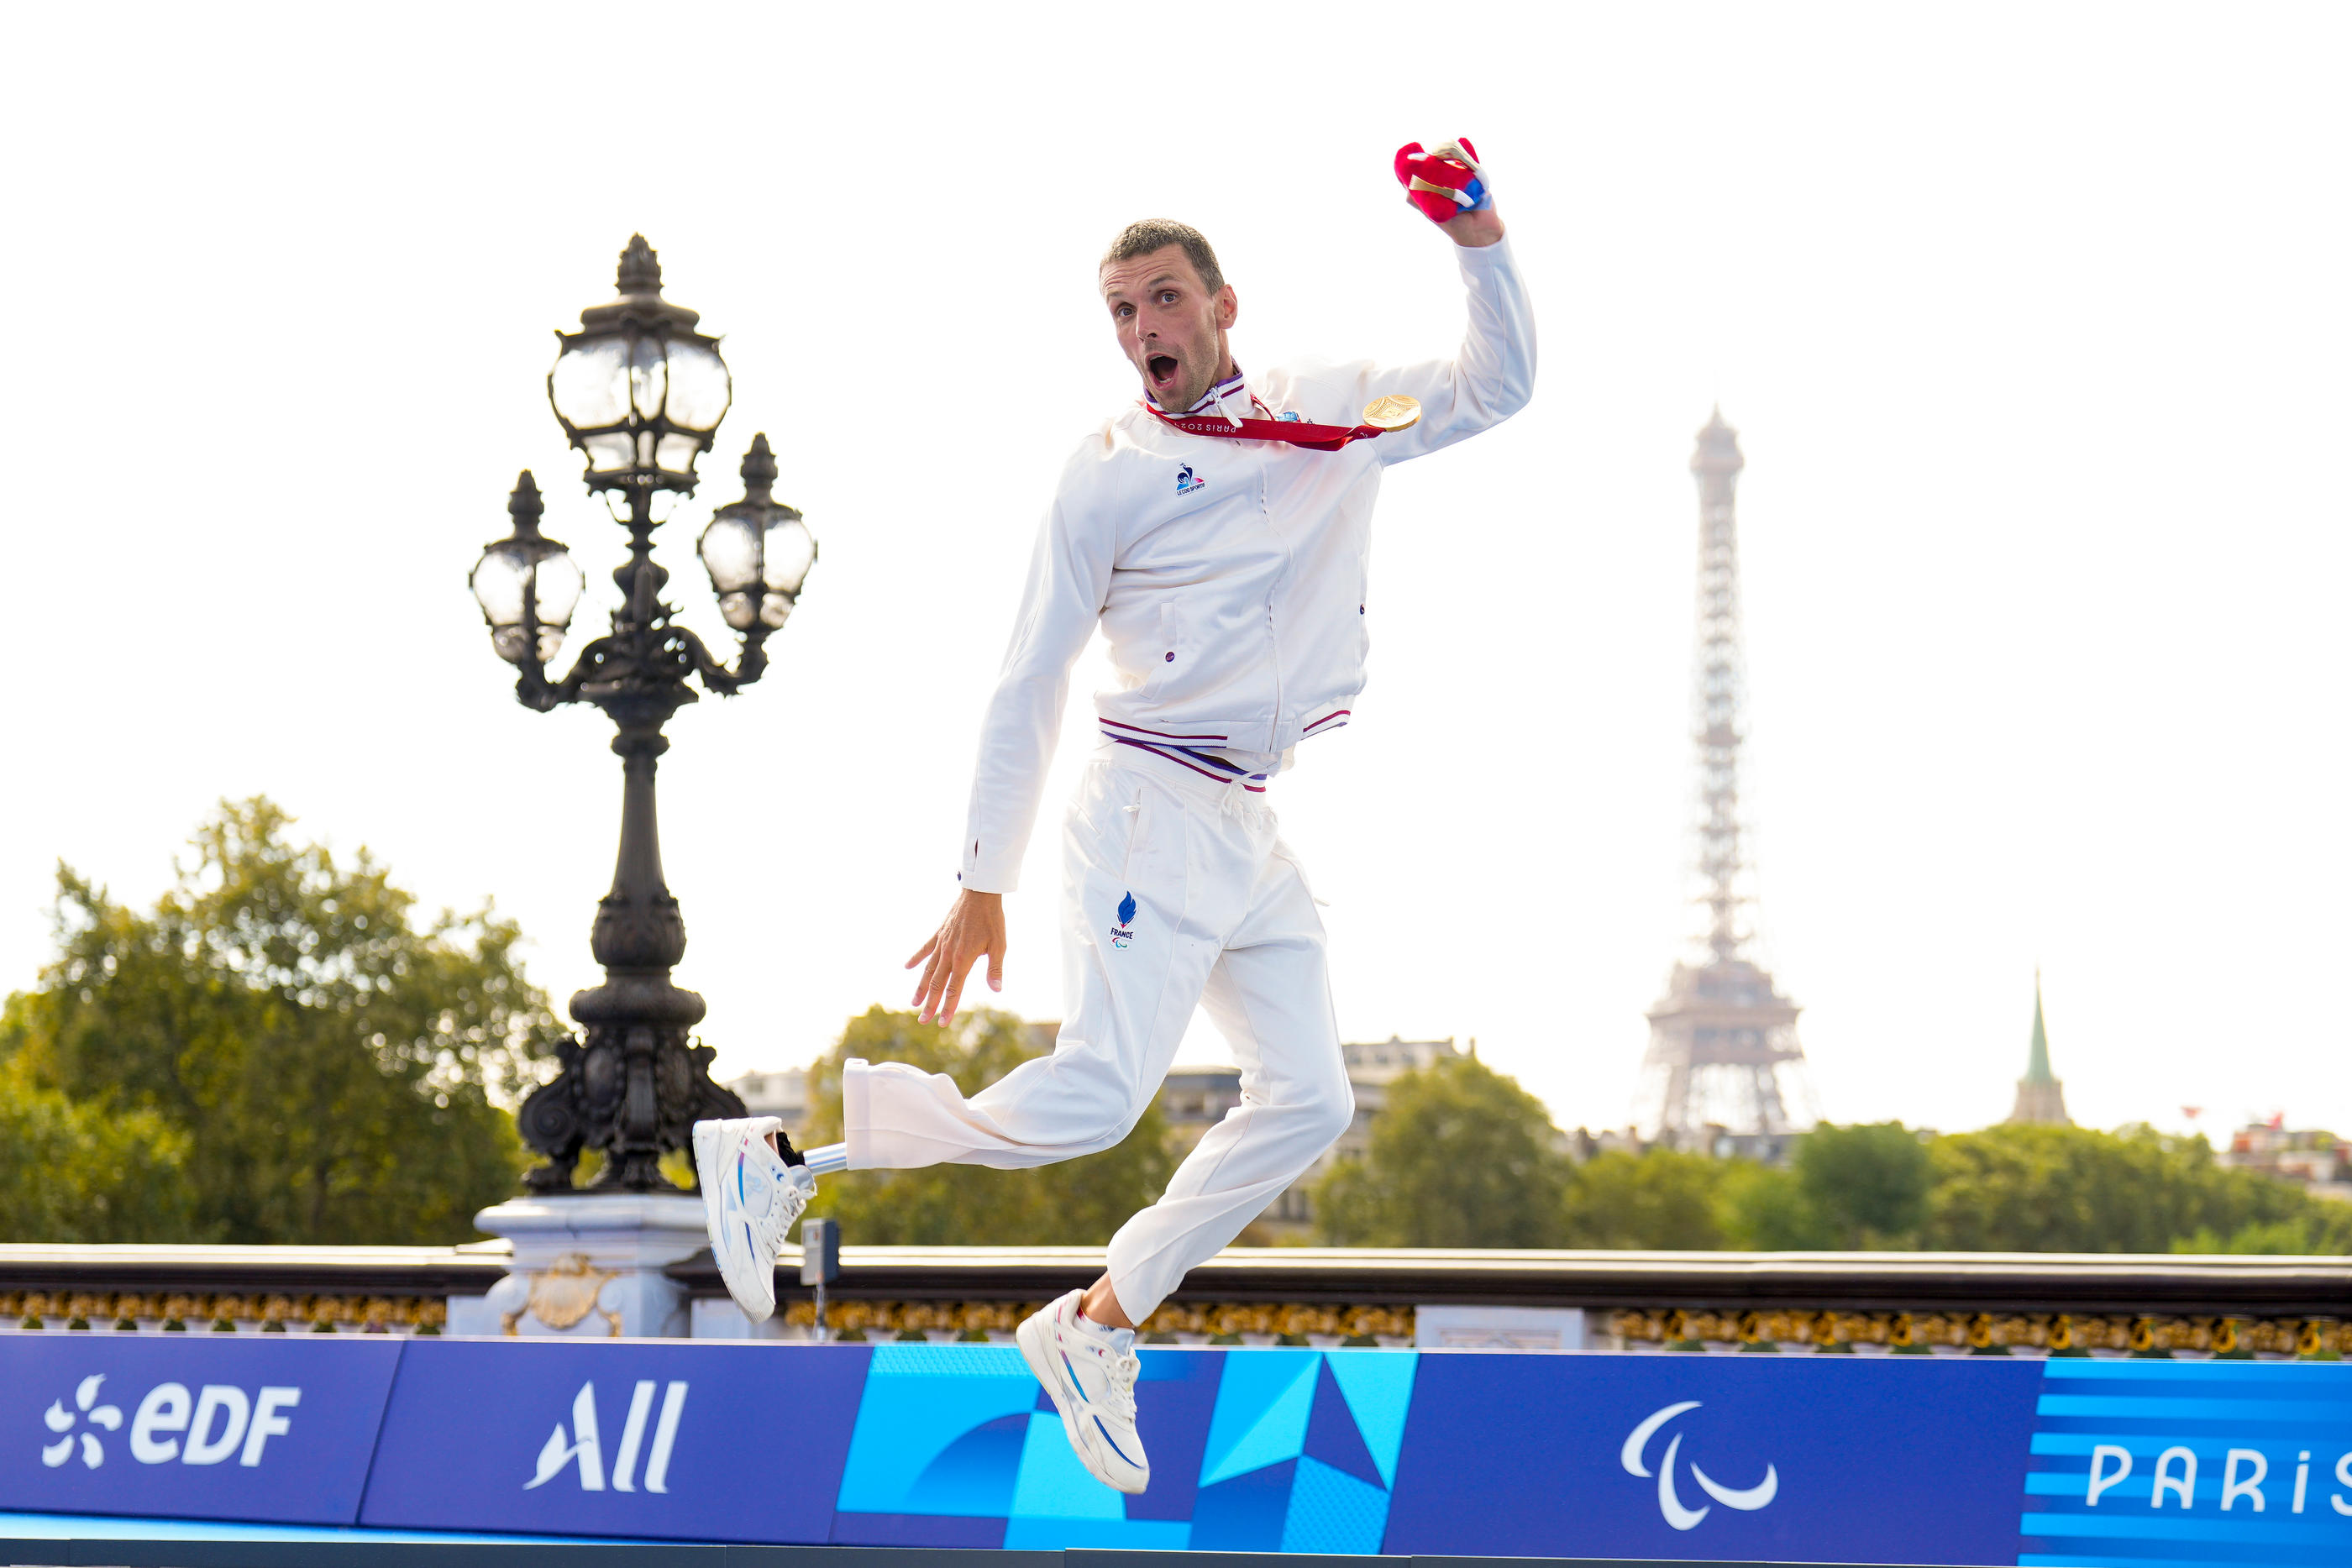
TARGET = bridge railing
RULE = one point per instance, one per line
(1865, 1302)
(1861, 1303)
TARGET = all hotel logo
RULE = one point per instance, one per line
(582, 1450)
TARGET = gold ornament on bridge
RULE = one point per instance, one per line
(563, 1294)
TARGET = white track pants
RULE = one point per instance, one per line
(1222, 918)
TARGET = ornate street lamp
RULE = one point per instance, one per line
(640, 393)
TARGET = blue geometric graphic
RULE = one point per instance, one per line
(976, 1473)
(1332, 1438)
(1053, 1484)
(1261, 1410)
(931, 1435)
(1246, 1513)
(1292, 1463)
(1173, 1407)
(1378, 1386)
(1330, 1511)
(956, 1445)
(1251, 1450)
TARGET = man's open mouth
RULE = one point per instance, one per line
(1161, 368)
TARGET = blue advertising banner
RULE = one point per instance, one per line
(1802, 1459)
(709, 1442)
(2055, 1464)
(191, 1426)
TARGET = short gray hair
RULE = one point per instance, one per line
(1156, 233)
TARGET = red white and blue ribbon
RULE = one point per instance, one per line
(1298, 433)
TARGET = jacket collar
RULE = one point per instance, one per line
(1236, 386)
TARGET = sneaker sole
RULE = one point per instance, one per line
(1044, 1364)
(713, 1212)
(705, 1154)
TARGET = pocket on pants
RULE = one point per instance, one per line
(1288, 857)
(1135, 810)
(1106, 824)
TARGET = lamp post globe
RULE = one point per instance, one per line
(527, 585)
(637, 389)
(757, 550)
(641, 392)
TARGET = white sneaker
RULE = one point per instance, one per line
(1090, 1372)
(750, 1198)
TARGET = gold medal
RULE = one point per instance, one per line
(1395, 411)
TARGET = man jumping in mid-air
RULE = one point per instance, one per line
(1219, 532)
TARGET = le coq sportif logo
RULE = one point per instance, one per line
(1670, 1502)
(584, 1445)
(206, 1427)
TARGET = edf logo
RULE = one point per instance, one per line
(584, 1446)
(170, 1424)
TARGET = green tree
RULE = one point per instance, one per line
(1868, 1183)
(1462, 1156)
(1075, 1202)
(1847, 1189)
(74, 1172)
(1660, 1199)
(337, 1072)
(2039, 1188)
(2325, 1232)
(1763, 1210)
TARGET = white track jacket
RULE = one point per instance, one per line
(1228, 576)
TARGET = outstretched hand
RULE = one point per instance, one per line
(974, 927)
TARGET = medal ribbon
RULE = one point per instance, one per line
(1314, 437)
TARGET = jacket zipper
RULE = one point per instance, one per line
(1273, 635)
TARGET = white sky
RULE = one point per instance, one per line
(2032, 319)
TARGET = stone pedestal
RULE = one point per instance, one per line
(588, 1268)
(722, 1319)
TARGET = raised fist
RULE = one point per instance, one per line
(1445, 183)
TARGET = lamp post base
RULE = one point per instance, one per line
(635, 1084)
(588, 1266)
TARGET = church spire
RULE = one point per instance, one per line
(2041, 1097)
(2037, 1060)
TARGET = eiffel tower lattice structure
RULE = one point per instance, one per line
(1723, 1062)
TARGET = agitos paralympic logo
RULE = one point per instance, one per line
(1670, 1502)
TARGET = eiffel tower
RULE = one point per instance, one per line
(1723, 1072)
